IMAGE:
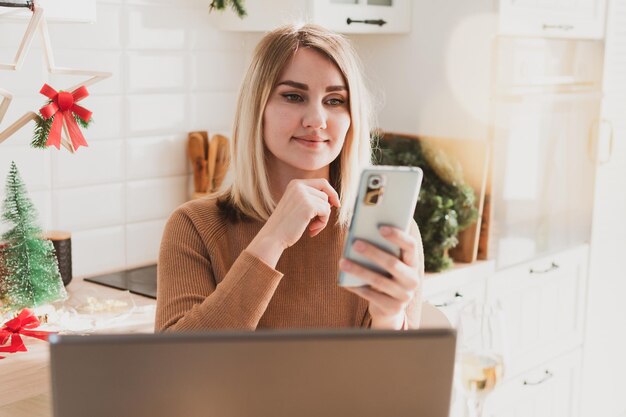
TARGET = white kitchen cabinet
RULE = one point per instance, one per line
(581, 19)
(547, 97)
(345, 16)
(550, 389)
(604, 375)
(543, 302)
(83, 11)
(364, 16)
(450, 290)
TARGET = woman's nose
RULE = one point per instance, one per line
(314, 117)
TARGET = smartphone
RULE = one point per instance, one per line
(387, 197)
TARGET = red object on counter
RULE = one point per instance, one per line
(14, 329)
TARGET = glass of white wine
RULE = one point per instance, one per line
(481, 353)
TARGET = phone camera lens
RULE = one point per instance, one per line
(374, 182)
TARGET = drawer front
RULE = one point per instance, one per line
(549, 390)
(574, 19)
(449, 291)
(452, 300)
(543, 304)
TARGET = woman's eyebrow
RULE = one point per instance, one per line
(305, 87)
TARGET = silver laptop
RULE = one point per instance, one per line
(254, 374)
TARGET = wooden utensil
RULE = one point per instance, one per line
(196, 150)
(211, 157)
(222, 160)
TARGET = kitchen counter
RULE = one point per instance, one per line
(25, 376)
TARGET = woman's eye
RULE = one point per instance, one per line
(293, 97)
(335, 102)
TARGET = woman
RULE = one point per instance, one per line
(265, 252)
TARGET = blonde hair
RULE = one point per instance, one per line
(250, 191)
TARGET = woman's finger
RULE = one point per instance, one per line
(405, 275)
(319, 222)
(406, 242)
(381, 301)
(376, 281)
(323, 185)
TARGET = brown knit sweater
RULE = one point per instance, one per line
(207, 280)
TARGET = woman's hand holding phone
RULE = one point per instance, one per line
(389, 297)
(306, 203)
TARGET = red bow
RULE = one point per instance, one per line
(63, 107)
(20, 326)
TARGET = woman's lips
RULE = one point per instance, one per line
(311, 143)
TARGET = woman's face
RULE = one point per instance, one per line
(307, 116)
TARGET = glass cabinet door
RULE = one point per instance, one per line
(542, 174)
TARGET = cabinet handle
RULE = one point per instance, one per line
(544, 271)
(453, 301)
(27, 4)
(378, 22)
(560, 27)
(547, 376)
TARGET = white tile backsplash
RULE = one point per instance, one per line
(29, 78)
(142, 76)
(154, 199)
(88, 207)
(95, 60)
(109, 114)
(142, 242)
(152, 157)
(172, 73)
(100, 162)
(158, 27)
(104, 34)
(98, 251)
(156, 113)
(212, 110)
(33, 166)
(217, 71)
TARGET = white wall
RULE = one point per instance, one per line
(172, 73)
(434, 80)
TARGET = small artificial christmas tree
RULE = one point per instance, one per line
(31, 273)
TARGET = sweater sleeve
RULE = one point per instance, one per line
(188, 298)
(414, 309)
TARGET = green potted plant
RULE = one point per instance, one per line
(446, 204)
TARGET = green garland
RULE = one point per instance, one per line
(236, 5)
(444, 208)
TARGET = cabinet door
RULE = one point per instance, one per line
(549, 390)
(543, 304)
(582, 19)
(543, 175)
(364, 16)
(604, 385)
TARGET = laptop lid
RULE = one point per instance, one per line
(356, 372)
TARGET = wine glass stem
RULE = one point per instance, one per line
(475, 407)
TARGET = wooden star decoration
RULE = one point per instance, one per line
(36, 23)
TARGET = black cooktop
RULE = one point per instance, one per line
(140, 281)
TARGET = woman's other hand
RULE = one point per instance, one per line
(305, 204)
(388, 297)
